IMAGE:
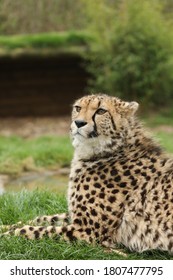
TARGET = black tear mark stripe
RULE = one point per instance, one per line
(95, 133)
(113, 123)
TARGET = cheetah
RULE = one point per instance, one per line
(120, 185)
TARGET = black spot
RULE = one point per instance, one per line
(80, 198)
(108, 208)
(79, 214)
(134, 182)
(93, 212)
(157, 207)
(88, 231)
(97, 185)
(86, 187)
(87, 195)
(83, 208)
(54, 219)
(73, 194)
(23, 231)
(125, 192)
(104, 217)
(110, 186)
(91, 200)
(78, 221)
(85, 221)
(64, 229)
(121, 205)
(166, 207)
(104, 231)
(97, 225)
(117, 178)
(78, 170)
(116, 224)
(93, 192)
(88, 179)
(102, 206)
(124, 167)
(105, 170)
(123, 184)
(114, 172)
(112, 199)
(53, 230)
(36, 233)
(115, 191)
(102, 195)
(76, 180)
(153, 170)
(110, 222)
(102, 177)
(91, 222)
(69, 234)
(31, 228)
(127, 173)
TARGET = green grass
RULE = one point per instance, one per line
(158, 120)
(18, 154)
(164, 117)
(27, 205)
(166, 140)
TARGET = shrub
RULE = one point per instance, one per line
(132, 54)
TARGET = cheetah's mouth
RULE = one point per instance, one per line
(92, 134)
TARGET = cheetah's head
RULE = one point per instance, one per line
(99, 124)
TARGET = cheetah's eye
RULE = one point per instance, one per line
(77, 108)
(101, 111)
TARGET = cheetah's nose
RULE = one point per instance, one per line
(80, 123)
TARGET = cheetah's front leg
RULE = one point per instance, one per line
(69, 232)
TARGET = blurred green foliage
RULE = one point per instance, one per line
(132, 56)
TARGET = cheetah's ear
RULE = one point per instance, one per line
(125, 107)
(132, 107)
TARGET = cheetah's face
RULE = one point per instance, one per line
(96, 119)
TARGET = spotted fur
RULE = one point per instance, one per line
(121, 182)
